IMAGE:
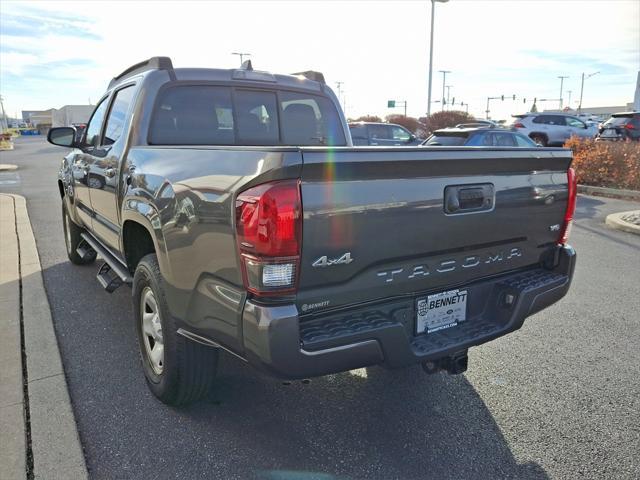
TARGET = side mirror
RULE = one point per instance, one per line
(62, 136)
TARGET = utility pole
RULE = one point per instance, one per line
(241, 55)
(433, 10)
(569, 102)
(582, 88)
(444, 81)
(448, 92)
(561, 77)
(3, 124)
(339, 87)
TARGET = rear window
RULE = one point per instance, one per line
(619, 120)
(446, 140)
(214, 115)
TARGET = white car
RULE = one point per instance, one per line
(549, 129)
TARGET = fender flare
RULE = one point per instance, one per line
(139, 210)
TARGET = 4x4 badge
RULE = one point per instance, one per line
(328, 262)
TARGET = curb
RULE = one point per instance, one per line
(609, 192)
(51, 445)
(615, 221)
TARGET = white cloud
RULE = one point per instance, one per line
(378, 49)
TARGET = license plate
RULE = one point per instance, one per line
(441, 310)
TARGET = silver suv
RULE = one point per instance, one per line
(551, 128)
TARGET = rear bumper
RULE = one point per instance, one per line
(276, 341)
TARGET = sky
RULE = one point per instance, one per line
(58, 53)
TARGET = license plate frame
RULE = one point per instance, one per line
(440, 311)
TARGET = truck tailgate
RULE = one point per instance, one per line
(380, 223)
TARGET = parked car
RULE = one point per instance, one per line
(549, 129)
(478, 137)
(382, 134)
(621, 126)
(244, 220)
(478, 123)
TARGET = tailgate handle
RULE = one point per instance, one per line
(468, 198)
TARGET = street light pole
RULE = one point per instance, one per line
(561, 80)
(241, 55)
(444, 81)
(582, 88)
(448, 93)
(569, 102)
(433, 9)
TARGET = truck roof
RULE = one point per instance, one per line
(309, 79)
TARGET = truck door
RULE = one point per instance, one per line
(82, 164)
(104, 180)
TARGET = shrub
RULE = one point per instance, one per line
(444, 119)
(366, 118)
(606, 164)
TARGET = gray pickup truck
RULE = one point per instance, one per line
(236, 207)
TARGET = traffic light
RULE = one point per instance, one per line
(453, 101)
(514, 96)
(503, 98)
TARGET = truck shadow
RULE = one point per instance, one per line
(368, 424)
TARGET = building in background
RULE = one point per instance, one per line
(601, 112)
(65, 116)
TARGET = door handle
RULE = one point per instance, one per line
(110, 172)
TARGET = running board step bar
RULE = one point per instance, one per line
(84, 250)
(112, 273)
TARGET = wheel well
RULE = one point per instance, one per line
(61, 188)
(137, 243)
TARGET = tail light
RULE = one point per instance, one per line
(572, 185)
(629, 126)
(269, 233)
(518, 125)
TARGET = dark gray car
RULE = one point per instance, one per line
(244, 220)
(382, 134)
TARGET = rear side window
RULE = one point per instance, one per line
(214, 115)
(550, 120)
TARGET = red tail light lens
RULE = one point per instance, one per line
(518, 125)
(572, 185)
(269, 232)
(629, 126)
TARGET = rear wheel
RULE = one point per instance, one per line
(72, 239)
(539, 139)
(178, 371)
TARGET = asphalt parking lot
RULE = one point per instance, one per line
(558, 399)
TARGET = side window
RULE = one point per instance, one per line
(400, 134)
(557, 120)
(488, 140)
(523, 141)
(574, 122)
(378, 132)
(504, 140)
(95, 124)
(117, 115)
(256, 117)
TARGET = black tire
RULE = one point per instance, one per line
(95, 181)
(72, 239)
(540, 139)
(188, 369)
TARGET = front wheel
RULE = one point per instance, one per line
(72, 240)
(178, 371)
